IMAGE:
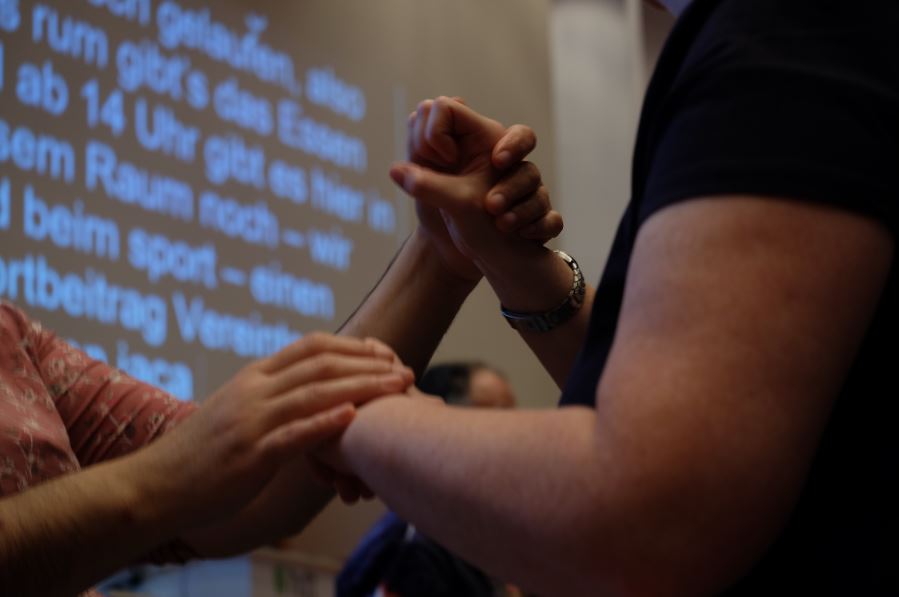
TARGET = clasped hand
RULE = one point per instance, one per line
(477, 201)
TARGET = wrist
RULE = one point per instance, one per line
(546, 321)
(154, 484)
(431, 266)
(532, 280)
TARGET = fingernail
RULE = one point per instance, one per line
(509, 219)
(503, 159)
(497, 202)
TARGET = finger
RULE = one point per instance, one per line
(437, 190)
(420, 151)
(348, 485)
(356, 488)
(397, 361)
(516, 186)
(321, 472)
(525, 213)
(440, 131)
(366, 492)
(348, 491)
(288, 440)
(318, 342)
(515, 144)
(320, 396)
(328, 365)
(381, 347)
(465, 120)
(548, 228)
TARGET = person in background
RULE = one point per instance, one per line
(99, 471)
(729, 390)
(394, 559)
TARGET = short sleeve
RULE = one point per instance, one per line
(107, 413)
(807, 112)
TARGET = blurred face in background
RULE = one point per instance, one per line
(489, 389)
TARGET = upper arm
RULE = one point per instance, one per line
(741, 318)
(106, 412)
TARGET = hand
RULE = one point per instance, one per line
(217, 460)
(446, 136)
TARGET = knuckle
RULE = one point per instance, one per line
(241, 439)
(246, 382)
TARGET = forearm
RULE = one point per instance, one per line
(533, 279)
(64, 535)
(413, 305)
(502, 489)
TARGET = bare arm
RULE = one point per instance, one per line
(671, 488)
(63, 535)
(413, 304)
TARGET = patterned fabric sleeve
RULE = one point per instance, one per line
(78, 412)
(106, 412)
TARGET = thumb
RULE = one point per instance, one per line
(441, 191)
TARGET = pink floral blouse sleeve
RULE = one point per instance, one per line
(60, 410)
(106, 412)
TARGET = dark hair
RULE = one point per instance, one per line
(450, 381)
